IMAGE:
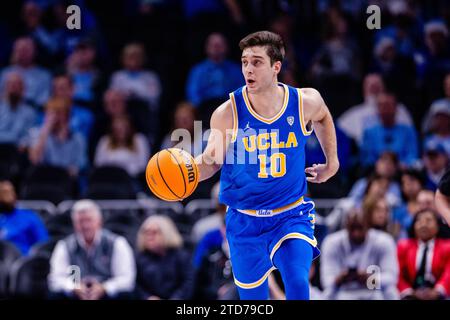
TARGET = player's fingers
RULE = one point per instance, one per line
(312, 179)
(310, 170)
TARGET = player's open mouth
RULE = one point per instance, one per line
(250, 81)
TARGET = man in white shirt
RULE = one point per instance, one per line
(92, 263)
(358, 263)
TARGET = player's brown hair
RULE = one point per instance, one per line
(271, 41)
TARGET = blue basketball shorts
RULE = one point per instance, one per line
(254, 239)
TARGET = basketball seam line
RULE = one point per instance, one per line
(160, 196)
(181, 169)
(154, 191)
(162, 177)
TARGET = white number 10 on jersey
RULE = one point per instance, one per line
(277, 164)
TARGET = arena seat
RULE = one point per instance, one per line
(8, 255)
(28, 278)
(109, 182)
(44, 249)
(47, 183)
(9, 161)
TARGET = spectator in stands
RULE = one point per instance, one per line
(55, 143)
(346, 259)
(397, 70)
(435, 160)
(105, 260)
(80, 119)
(389, 135)
(83, 72)
(365, 115)
(438, 106)
(32, 20)
(183, 125)
(16, 117)
(434, 63)
(425, 200)
(387, 167)
(164, 269)
(211, 240)
(214, 280)
(412, 182)
(283, 25)
(133, 80)
(338, 55)
(443, 197)
(37, 80)
(22, 227)
(440, 125)
(424, 260)
(114, 106)
(377, 187)
(215, 77)
(210, 222)
(404, 28)
(123, 147)
(377, 213)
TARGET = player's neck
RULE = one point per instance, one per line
(268, 102)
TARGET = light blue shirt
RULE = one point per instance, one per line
(400, 139)
(69, 153)
(37, 83)
(15, 122)
(209, 80)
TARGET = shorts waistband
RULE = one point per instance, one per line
(270, 213)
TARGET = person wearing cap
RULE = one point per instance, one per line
(54, 143)
(435, 160)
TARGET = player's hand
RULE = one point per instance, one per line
(321, 172)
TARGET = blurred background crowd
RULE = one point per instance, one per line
(82, 111)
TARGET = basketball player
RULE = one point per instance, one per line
(258, 139)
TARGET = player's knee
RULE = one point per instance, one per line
(297, 285)
(300, 280)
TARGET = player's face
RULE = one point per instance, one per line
(258, 72)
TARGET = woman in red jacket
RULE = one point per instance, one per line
(424, 260)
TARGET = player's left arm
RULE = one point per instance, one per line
(316, 111)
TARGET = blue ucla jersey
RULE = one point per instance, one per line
(265, 161)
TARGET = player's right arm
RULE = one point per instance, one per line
(212, 158)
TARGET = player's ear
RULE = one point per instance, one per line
(277, 66)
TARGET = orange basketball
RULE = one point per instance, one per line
(172, 174)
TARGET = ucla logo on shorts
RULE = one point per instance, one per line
(264, 212)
